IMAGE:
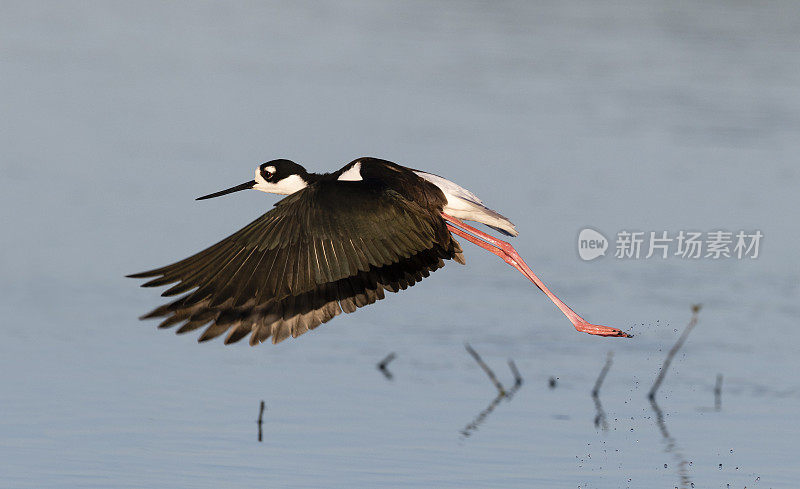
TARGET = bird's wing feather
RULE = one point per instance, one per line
(297, 257)
(294, 315)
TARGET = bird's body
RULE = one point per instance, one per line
(337, 242)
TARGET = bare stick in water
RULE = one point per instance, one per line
(599, 382)
(677, 346)
(515, 372)
(260, 419)
(600, 417)
(502, 394)
(486, 369)
(384, 363)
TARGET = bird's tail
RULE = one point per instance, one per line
(463, 204)
(471, 211)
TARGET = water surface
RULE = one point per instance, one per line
(562, 115)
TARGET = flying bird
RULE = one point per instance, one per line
(337, 242)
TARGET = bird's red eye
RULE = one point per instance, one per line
(266, 174)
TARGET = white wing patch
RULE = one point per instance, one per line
(352, 175)
(450, 188)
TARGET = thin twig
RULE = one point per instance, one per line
(517, 380)
(384, 363)
(599, 382)
(677, 346)
(260, 419)
(486, 369)
(600, 417)
(718, 393)
(515, 372)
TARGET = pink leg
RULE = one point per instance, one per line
(509, 255)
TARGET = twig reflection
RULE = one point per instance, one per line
(672, 447)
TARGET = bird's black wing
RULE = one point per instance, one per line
(321, 250)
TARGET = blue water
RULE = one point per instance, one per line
(562, 115)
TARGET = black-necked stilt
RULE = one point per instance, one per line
(334, 244)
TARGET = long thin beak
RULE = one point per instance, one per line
(244, 186)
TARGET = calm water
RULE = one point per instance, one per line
(642, 116)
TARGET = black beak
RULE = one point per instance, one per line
(244, 186)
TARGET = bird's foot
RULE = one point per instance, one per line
(598, 330)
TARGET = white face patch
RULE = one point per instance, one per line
(352, 175)
(288, 185)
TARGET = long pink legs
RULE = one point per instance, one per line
(509, 255)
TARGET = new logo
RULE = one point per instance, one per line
(591, 244)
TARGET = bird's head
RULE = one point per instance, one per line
(282, 177)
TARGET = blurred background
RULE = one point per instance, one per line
(647, 116)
